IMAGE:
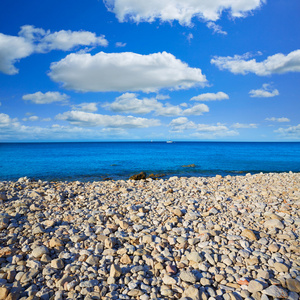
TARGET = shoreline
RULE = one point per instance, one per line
(232, 237)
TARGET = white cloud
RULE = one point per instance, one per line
(45, 98)
(275, 64)
(201, 130)
(12, 130)
(162, 97)
(6, 122)
(129, 103)
(84, 119)
(182, 11)
(280, 120)
(125, 72)
(12, 49)
(87, 107)
(265, 92)
(243, 126)
(120, 44)
(32, 119)
(292, 132)
(181, 124)
(36, 40)
(211, 97)
(216, 28)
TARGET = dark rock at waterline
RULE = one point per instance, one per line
(156, 176)
(139, 176)
(189, 166)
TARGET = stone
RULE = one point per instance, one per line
(139, 176)
(4, 291)
(255, 286)
(55, 242)
(57, 264)
(125, 259)
(293, 285)
(191, 293)
(188, 276)
(274, 223)
(135, 293)
(276, 292)
(249, 234)
(273, 248)
(39, 251)
(92, 260)
(115, 271)
(194, 256)
(280, 267)
(168, 280)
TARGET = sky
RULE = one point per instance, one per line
(136, 70)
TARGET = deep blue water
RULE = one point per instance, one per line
(119, 160)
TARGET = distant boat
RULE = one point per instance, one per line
(170, 142)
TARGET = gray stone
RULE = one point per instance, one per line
(187, 276)
(275, 291)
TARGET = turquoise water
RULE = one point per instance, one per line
(119, 160)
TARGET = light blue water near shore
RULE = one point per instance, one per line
(119, 160)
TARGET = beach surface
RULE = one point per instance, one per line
(232, 238)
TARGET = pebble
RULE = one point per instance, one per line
(232, 238)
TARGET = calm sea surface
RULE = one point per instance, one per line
(119, 160)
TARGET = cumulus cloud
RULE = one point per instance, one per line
(36, 40)
(45, 98)
(201, 130)
(243, 126)
(32, 119)
(182, 11)
(181, 124)
(280, 120)
(265, 92)
(86, 107)
(12, 49)
(125, 72)
(129, 103)
(275, 64)
(292, 132)
(84, 119)
(210, 97)
(12, 130)
(216, 28)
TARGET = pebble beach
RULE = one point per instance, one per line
(232, 238)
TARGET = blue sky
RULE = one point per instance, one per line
(149, 70)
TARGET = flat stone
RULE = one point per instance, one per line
(39, 251)
(293, 285)
(249, 234)
(169, 280)
(279, 267)
(57, 264)
(191, 293)
(4, 291)
(255, 286)
(276, 292)
(273, 223)
(273, 248)
(194, 256)
(188, 276)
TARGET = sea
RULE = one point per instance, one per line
(94, 161)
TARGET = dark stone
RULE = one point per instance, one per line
(189, 166)
(139, 176)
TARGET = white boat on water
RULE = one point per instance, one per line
(170, 142)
